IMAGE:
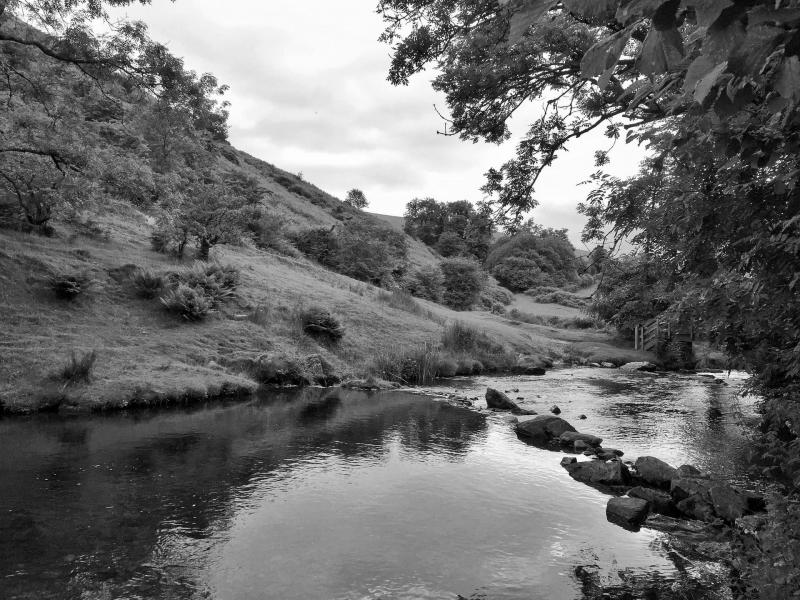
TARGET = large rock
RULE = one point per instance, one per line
(497, 399)
(599, 472)
(542, 429)
(696, 507)
(627, 512)
(689, 471)
(570, 437)
(638, 366)
(728, 503)
(660, 501)
(655, 471)
(686, 487)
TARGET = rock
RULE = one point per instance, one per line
(655, 471)
(497, 399)
(542, 429)
(674, 525)
(697, 508)
(599, 472)
(555, 410)
(278, 369)
(639, 366)
(581, 417)
(627, 512)
(728, 503)
(660, 501)
(568, 460)
(319, 370)
(608, 453)
(688, 471)
(580, 446)
(510, 419)
(608, 365)
(570, 437)
(590, 452)
(685, 487)
(751, 524)
(594, 365)
(515, 390)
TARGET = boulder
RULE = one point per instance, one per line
(570, 437)
(674, 525)
(498, 400)
(686, 487)
(728, 503)
(639, 366)
(580, 446)
(599, 472)
(688, 471)
(568, 460)
(627, 512)
(696, 508)
(655, 471)
(607, 365)
(542, 429)
(581, 417)
(660, 501)
(555, 410)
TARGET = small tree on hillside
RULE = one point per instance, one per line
(463, 282)
(356, 199)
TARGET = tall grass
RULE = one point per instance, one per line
(411, 366)
(79, 367)
(402, 300)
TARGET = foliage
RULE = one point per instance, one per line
(463, 282)
(79, 367)
(190, 303)
(457, 336)
(216, 281)
(518, 273)
(69, 286)
(454, 228)
(556, 296)
(533, 257)
(321, 324)
(356, 199)
(411, 366)
(146, 283)
(269, 232)
(425, 282)
(362, 249)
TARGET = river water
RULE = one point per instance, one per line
(333, 494)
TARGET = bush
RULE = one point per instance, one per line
(216, 281)
(463, 282)
(318, 244)
(147, 283)
(79, 368)
(415, 366)
(517, 273)
(321, 324)
(557, 297)
(191, 303)
(269, 233)
(69, 286)
(460, 337)
(446, 367)
(426, 282)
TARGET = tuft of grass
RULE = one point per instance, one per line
(403, 300)
(411, 366)
(320, 324)
(79, 367)
(190, 303)
(69, 286)
(457, 336)
(146, 283)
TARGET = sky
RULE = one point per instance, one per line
(308, 93)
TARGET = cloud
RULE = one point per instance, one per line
(309, 93)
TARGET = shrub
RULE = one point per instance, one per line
(460, 337)
(147, 283)
(446, 367)
(557, 297)
(463, 282)
(216, 281)
(426, 282)
(191, 303)
(269, 232)
(415, 366)
(517, 273)
(160, 241)
(79, 368)
(69, 286)
(469, 366)
(319, 323)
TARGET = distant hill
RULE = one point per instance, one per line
(396, 222)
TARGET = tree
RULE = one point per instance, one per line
(453, 228)
(356, 199)
(424, 220)
(710, 87)
(463, 282)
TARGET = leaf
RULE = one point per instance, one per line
(763, 14)
(591, 9)
(637, 9)
(661, 51)
(788, 82)
(697, 70)
(756, 49)
(529, 12)
(706, 84)
(707, 11)
(604, 54)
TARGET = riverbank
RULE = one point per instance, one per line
(143, 355)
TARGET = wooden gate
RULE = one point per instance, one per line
(649, 335)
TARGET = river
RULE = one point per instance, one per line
(334, 494)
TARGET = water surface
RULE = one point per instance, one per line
(340, 495)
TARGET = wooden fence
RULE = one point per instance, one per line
(647, 336)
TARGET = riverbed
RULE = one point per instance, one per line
(334, 494)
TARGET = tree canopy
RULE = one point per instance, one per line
(710, 87)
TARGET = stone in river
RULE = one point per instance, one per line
(655, 471)
(542, 429)
(627, 512)
(555, 410)
(569, 437)
(660, 501)
(599, 472)
(568, 460)
(497, 399)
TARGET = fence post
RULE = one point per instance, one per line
(636, 338)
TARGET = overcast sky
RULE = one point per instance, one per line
(309, 93)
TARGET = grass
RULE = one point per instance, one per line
(79, 368)
(575, 322)
(402, 300)
(69, 286)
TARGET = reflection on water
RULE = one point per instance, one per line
(321, 494)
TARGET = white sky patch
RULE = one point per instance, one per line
(308, 93)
